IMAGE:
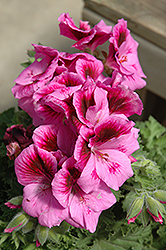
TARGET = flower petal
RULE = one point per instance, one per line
(35, 165)
(39, 202)
(45, 137)
(113, 168)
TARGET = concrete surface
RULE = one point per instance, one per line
(23, 22)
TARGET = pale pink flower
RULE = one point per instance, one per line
(105, 151)
(84, 209)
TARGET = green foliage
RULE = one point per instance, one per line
(113, 231)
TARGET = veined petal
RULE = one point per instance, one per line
(99, 111)
(126, 143)
(113, 167)
(82, 214)
(45, 137)
(89, 68)
(64, 180)
(89, 180)
(123, 100)
(66, 84)
(133, 81)
(29, 74)
(112, 127)
(35, 165)
(50, 113)
(81, 152)
(39, 202)
(82, 100)
(66, 138)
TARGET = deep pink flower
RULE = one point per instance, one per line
(38, 243)
(52, 138)
(35, 169)
(120, 33)
(122, 100)
(17, 133)
(84, 25)
(61, 87)
(92, 68)
(36, 75)
(125, 59)
(52, 110)
(85, 37)
(91, 104)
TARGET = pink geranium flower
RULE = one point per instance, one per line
(122, 100)
(103, 153)
(84, 209)
(91, 104)
(85, 37)
(35, 169)
(53, 138)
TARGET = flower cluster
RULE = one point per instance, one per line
(83, 141)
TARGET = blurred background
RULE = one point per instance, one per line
(25, 22)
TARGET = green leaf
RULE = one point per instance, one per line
(28, 227)
(3, 128)
(135, 207)
(144, 216)
(63, 228)
(31, 53)
(53, 235)
(31, 246)
(25, 64)
(3, 238)
(7, 116)
(41, 233)
(16, 240)
(16, 200)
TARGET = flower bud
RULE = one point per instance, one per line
(155, 209)
(160, 195)
(15, 202)
(135, 209)
(17, 222)
(41, 233)
(17, 138)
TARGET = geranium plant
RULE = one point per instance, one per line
(79, 167)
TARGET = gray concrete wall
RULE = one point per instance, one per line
(23, 22)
